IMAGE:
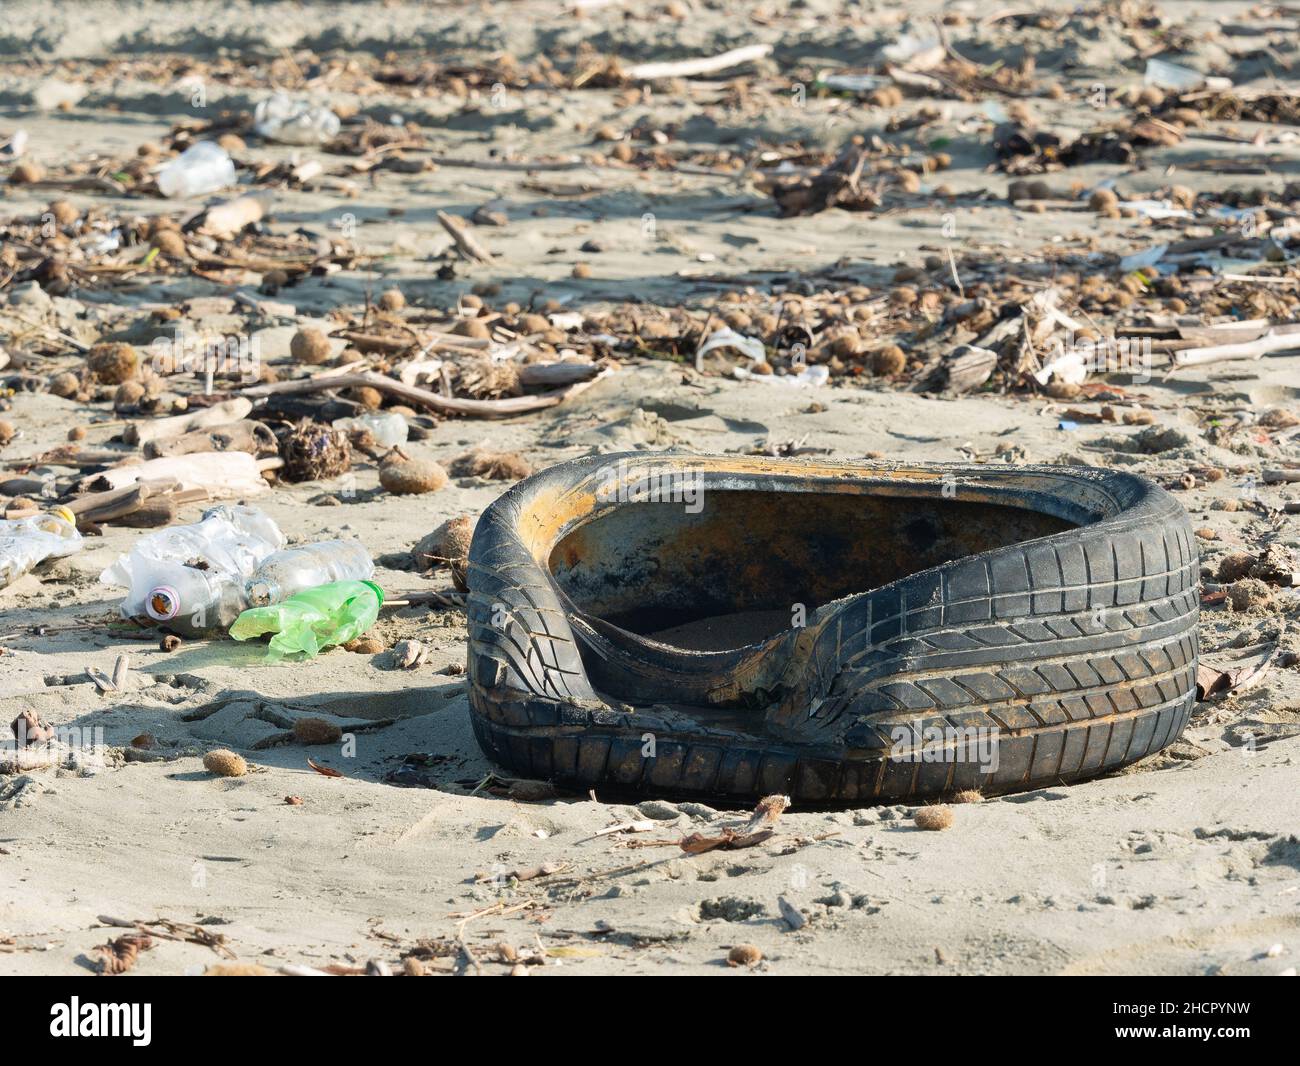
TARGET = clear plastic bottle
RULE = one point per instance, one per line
(389, 430)
(295, 570)
(315, 619)
(286, 120)
(24, 542)
(192, 577)
(202, 168)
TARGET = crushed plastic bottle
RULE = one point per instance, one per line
(389, 430)
(295, 570)
(24, 542)
(191, 578)
(315, 619)
(288, 121)
(202, 168)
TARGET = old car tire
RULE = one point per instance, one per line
(1068, 654)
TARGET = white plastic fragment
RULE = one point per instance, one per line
(727, 337)
(24, 542)
(1148, 257)
(1157, 209)
(851, 83)
(1165, 75)
(200, 169)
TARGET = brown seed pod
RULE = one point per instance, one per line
(1234, 566)
(63, 212)
(392, 300)
(7, 432)
(225, 763)
(403, 475)
(744, 955)
(128, 396)
(908, 180)
(473, 327)
(369, 398)
(1062, 390)
(496, 466)
(1249, 592)
(145, 741)
(113, 363)
(170, 243)
(448, 545)
(158, 223)
(933, 818)
(968, 795)
(26, 173)
(1103, 201)
(581, 270)
(533, 323)
(847, 343)
(365, 645)
(316, 731)
(65, 385)
(310, 346)
(889, 361)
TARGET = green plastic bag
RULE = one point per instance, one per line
(313, 619)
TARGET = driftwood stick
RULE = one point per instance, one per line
(512, 405)
(468, 244)
(216, 415)
(1278, 339)
(688, 68)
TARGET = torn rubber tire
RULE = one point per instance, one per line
(844, 633)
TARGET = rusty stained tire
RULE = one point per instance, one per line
(1067, 634)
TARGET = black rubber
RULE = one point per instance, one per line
(1074, 653)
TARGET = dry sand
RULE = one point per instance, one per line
(1188, 863)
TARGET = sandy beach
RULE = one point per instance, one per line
(1187, 863)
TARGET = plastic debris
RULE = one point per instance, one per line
(314, 619)
(200, 169)
(288, 121)
(726, 337)
(389, 430)
(294, 570)
(25, 542)
(192, 577)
